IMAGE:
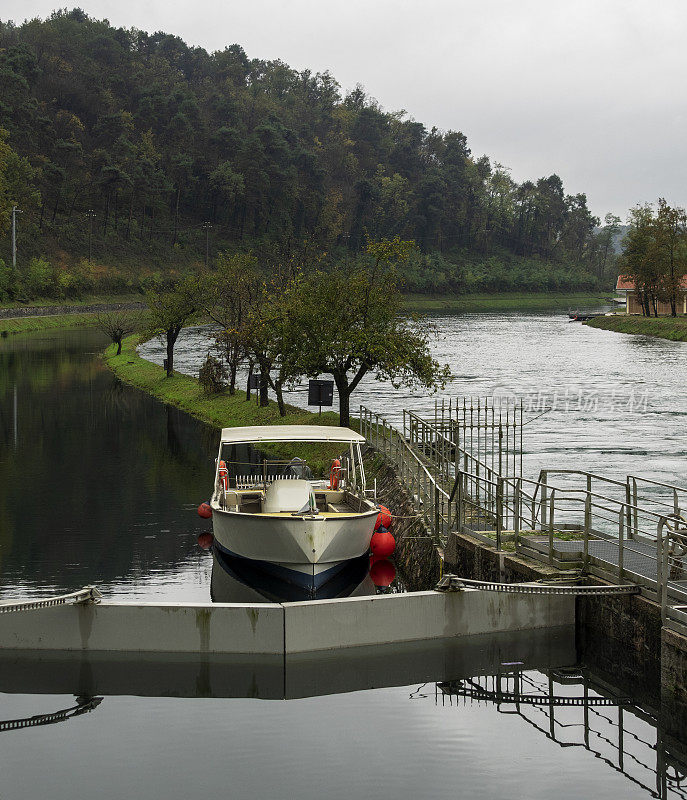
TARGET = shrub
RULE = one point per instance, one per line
(212, 376)
(38, 278)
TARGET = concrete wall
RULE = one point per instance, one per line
(325, 624)
(274, 629)
(148, 627)
(471, 558)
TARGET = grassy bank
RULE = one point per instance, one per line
(471, 303)
(49, 322)
(673, 328)
(27, 324)
(220, 411)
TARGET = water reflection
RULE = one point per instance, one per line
(574, 708)
(484, 713)
(98, 482)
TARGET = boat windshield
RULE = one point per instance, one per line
(333, 464)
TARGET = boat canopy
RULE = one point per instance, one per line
(289, 433)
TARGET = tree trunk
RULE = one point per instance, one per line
(170, 356)
(172, 335)
(344, 406)
(118, 342)
(250, 375)
(264, 397)
(232, 376)
(344, 390)
(280, 398)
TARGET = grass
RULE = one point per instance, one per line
(27, 324)
(672, 328)
(526, 301)
(52, 322)
(223, 410)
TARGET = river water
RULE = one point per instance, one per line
(99, 484)
(593, 399)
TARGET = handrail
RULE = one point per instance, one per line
(89, 594)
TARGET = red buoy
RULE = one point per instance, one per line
(205, 540)
(384, 518)
(204, 511)
(382, 571)
(382, 543)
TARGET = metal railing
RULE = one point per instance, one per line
(586, 521)
(429, 497)
(89, 594)
(630, 531)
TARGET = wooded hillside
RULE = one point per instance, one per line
(125, 144)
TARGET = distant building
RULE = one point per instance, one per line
(633, 306)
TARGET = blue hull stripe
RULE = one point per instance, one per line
(303, 579)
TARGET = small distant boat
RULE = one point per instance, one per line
(292, 526)
(581, 316)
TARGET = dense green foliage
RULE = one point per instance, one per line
(655, 255)
(129, 142)
(293, 324)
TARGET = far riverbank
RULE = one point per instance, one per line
(672, 328)
(503, 301)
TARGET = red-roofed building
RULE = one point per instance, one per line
(633, 306)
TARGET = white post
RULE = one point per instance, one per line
(14, 237)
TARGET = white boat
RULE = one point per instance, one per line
(275, 514)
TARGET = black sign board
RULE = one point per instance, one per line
(255, 381)
(320, 393)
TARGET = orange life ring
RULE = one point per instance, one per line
(334, 474)
(223, 474)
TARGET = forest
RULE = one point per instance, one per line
(134, 156)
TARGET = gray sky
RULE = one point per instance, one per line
(591, 90)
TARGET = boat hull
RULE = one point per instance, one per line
(291, 547)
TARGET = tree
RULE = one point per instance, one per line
(169, 310)
(636, 259)
(605, 239)
(116, 326)
(669, 250)
(226, 298)
(350, 324)
(273, 334)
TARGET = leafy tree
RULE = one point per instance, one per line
(350, 324)
(155, 137)
(637, 260)
(669, 251)
(225, 298)
(169, 311)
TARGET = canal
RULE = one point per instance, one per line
(99, 484)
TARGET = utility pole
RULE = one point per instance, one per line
(207, 227)
(90, 214)
(15, 211)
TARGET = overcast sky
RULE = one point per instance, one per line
(594, 91)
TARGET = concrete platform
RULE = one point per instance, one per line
(279, 628)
